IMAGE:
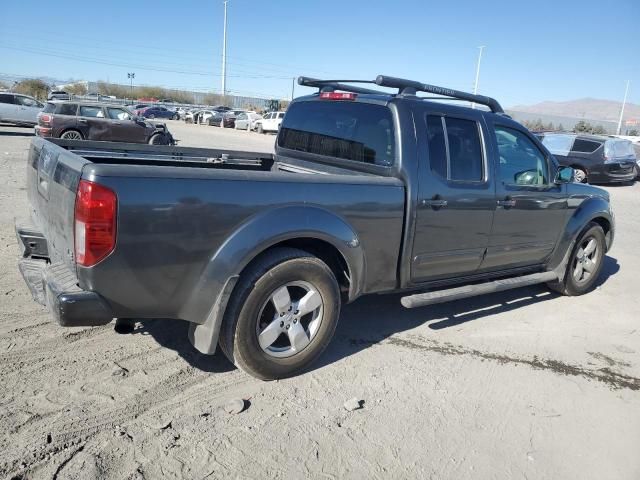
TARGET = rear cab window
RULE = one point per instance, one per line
(354, 131)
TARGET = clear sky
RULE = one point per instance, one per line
(542, 50)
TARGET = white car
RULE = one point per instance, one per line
(19, 109)
(247, 120)
(270, 122)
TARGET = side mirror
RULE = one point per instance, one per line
(564, 175)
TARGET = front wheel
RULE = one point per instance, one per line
(282, 314)
(585, 263)
(159, 139)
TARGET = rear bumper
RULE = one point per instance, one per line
(43, 131)
(54, 285)
(614, 173)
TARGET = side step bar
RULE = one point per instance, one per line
(457, 293)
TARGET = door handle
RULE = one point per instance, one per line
(436, 203)
(508, 202)
(81, 120)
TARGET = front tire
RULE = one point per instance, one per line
(282, 314)
(158, 139)
(585, 263)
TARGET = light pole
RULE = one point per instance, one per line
(626, 91)
(224, 54)
(131, 76)
(475, 84)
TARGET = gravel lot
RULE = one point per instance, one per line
(522, 384)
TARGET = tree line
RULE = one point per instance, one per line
(581, 127)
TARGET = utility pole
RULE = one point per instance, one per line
(475, 84)
(131, 76)
(626, 91)
(293, 87)
(224, 54)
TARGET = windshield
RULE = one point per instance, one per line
(558, 144)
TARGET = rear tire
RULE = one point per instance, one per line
(585, 263)
(72, 135)
(252, 311)
(580, 175)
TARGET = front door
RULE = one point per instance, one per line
(531, 209)
(124, 128)
(456, 197)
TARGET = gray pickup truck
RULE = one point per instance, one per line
(368, 192)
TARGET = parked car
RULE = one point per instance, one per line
(224, 119)
(595, 158)
(270, 122)
(19, 109)
(59, 95)
(73, 120)
(158, 111)
(247, 121)
(368, 192)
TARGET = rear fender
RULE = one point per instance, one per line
(207, 304)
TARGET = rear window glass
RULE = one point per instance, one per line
(68, 109)
(455, 148)
(585, 146)
(559, 144)
(6, 98)
(86, 111)
(352, 131)
(621, 149)
(49, 108)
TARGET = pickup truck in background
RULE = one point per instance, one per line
(368, 192)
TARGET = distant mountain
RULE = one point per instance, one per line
(588, 108)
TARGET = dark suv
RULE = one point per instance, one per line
(595, 159)
(96, 121)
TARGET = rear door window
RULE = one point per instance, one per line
(68, 109)
(359, 132)
(455, 148)
(88, 111)
(49, 108)
(585, 146)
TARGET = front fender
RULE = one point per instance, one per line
(582, 212)
(206, 305)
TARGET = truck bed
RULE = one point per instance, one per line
(179, 207)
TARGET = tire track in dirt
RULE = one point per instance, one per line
(170, 394)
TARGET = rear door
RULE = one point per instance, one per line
(28, 109)
(124, 128)
(8, 107)
(93, 124)
(531, 209)
(456, 197)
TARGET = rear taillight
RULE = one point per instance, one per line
(45, 118)
(95, 223)
(338, 96)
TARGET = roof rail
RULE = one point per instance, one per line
(405, 87)
(410, 87)
(332, 85)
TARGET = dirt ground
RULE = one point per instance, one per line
(522, 384)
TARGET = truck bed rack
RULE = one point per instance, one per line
(404, 86)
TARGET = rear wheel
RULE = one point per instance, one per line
(282, 314)
(71, 135)
(580, 175)
(585, 263)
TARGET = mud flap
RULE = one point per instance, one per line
(204, 337)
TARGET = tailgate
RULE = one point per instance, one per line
(53, 174)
